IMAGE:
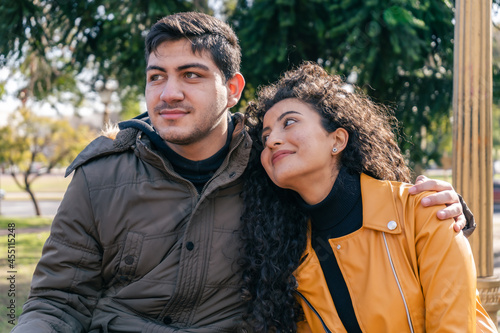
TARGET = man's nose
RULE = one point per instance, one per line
(172, 91)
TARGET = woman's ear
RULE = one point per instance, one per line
(339, 139)
(235, 87)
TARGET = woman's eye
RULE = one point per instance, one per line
(264, 139)
(289, 122)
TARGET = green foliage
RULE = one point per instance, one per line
(103, 38)
(402, 53)
(496, 132)
(401, 50)
(130, 103)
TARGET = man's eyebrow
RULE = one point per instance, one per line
(193, 65)
(157, 68)
(283, 115)
(180, 68)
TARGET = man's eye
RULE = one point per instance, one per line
(191, 75)
(154, 77)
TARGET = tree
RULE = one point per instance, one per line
(400, 51)
(99, 40)
(26, 48)
(32, 146)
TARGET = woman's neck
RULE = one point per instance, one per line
(314, 191)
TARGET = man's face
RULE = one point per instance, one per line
(187, 99)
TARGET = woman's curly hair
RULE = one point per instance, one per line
(274, 229)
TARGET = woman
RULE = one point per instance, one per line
(371, 259)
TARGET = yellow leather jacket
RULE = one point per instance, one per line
(406, 271)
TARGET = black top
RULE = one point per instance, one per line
(339, 214)
(197, 172)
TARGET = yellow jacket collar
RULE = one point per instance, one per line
(387, 219)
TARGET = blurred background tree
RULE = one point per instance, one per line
(34, 145)
(400, 52)
(95, 41)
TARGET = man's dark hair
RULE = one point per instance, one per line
(205, 33)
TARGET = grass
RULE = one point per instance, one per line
(45, 183)
(28, 249)
(25, 222)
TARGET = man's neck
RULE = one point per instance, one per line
(200, 171)
(205, 147)
(199, 151)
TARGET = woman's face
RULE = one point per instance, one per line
(297, 149)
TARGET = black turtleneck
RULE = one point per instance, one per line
(339, 214)
(197, 172)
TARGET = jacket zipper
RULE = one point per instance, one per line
(314, 310)
(399, 285)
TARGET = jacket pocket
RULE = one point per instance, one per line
(129, 257)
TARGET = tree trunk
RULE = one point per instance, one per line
(27, 188)
(33, 199)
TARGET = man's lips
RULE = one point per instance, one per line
(172, 114)
(279, 155)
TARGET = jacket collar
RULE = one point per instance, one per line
(131, 131)
(377, 213)
(379, 206)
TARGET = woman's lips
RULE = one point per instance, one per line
(280, 154)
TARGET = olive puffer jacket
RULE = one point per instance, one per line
(135, 248)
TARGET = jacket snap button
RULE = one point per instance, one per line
(189, 246)
(392, 225)
(129, 260)
(338, 247)
(167, 320)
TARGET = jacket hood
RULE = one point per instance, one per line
(119, 138)
(116, 139)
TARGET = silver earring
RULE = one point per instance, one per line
(334, 150)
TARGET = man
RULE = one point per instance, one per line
(147, 236)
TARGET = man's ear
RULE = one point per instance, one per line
(235, 87)
(339, 138)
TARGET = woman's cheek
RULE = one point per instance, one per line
(265, 161)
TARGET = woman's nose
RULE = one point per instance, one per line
(273, 140)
